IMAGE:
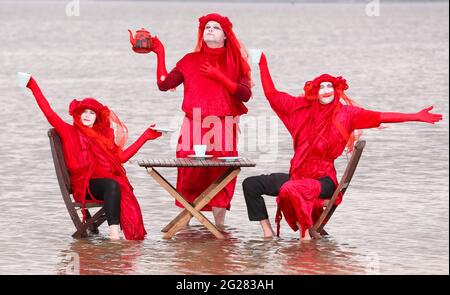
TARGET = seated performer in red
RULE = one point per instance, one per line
(321, 127)
(94, 157)
(217, 82)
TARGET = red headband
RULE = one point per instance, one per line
(77, 106)
(222, 20)
(311, 88)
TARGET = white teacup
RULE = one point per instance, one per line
(23, 79)
(255, 55)
(200, 150)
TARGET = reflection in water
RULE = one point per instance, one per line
(323, 256)
(196, 250)
(100, 256)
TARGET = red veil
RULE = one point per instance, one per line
(237, 65)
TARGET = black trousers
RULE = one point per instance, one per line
(269, 184)
(107, 190)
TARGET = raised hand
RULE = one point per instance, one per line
(427, 117)
(157, 45)
(262, 59)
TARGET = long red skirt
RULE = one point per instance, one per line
(299, 201)
(220, 135)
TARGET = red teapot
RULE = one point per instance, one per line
(142, 41)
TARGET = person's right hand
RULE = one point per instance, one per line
(157, 46)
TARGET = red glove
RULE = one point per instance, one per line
(158, 48)
(215, 73)
(136, 146)
(427, 117)
(151, 134)
(266, 79)
(421, 116)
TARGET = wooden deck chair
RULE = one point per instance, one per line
(92, 222)
(329, 206)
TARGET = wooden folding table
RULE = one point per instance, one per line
(193, 210)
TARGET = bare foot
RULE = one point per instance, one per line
(267, 229)
(220, 227)
(114, 232)
(307, 237)
(314, 234)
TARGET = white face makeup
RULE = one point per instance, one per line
(88, 118)
(213, 35)
(326, 93)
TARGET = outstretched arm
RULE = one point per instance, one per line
(421, 116)
(43, 104)
(129, 152)
(364, 119)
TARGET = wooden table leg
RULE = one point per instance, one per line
(173, 192)
(183, 218)
(183, 213)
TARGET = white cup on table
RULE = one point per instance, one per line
(200, 150)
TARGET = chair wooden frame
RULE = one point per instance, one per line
(329, 206)
(92, 222)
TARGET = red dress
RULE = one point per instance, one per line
(207, 104)
(86, 160)
(318, 141)
(299, 198)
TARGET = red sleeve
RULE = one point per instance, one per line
(133, 148)
(173, 79)
(243, 90)
(282, 103)
(364, 119)
(49, 113)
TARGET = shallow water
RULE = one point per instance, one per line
(394, 219)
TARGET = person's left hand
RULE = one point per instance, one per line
(211, 71)
(427, 117)
(151, 134)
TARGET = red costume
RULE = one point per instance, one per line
(320, 134)
(92, 153)
(216, 83)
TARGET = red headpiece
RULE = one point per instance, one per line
(105, 120)
(311, 89)
(236, 53)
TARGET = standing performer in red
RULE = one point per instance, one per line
(217, 82)
(321, 127)
(94, 157)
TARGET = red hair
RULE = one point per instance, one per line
(237, 56)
